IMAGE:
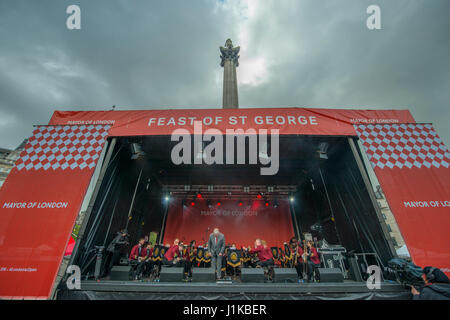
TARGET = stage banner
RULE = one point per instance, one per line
(304, 121)
(39, 203)
(412, 165)
(240, 224)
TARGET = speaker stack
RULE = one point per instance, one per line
(330, 275)
(171, 274)
(253, 275)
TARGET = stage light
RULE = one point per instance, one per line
(199, 195)
(322, 150)
(218, 203)
(291, 199)
(192, 203)
(259, 195)
(240, 203)
(136, 151)
(166, 198)
(266, 203)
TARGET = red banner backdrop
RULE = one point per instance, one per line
(309, 121)
(412, 165)
(39, 203)
(240, 224)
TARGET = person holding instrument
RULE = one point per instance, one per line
(147, 258)
(298, 260)
(311, 258)
(188, 261)
(137, 258)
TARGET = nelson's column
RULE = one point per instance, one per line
(230, 57)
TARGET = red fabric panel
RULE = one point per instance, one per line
(308, 121)
(425, 225)
(240, 225)
(39, 203)
(412, 165)
(36, 238)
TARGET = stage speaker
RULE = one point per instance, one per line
(203, 275)
(171, 274)
(253, 275)
(330, 275)
(283, 275)
(121, 273)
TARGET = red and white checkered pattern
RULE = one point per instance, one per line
(403, 145)
(62, 147)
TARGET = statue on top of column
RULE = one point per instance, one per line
(229, 53)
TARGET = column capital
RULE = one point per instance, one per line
(229, 53)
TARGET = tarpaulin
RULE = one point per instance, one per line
(412, 165)
(308, 121)
(39, 203)
(240, 224)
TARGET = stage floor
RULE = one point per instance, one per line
(123, 290)
(199, 287)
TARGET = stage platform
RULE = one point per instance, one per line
(153, 290)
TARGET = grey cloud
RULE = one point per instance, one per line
(160, 54)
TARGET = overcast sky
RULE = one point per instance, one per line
(164, 54)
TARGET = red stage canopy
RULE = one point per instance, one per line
(308, 121)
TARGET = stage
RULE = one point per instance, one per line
(348, 290)
(321, 191)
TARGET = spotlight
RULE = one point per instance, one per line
(240, 203)
(219, 204)
(136, 151)
(259, 195)
(192, 203)
(166, 198)
(199, 195)
(322, 150)
(266, 203)
(275, 203)
(291, 199)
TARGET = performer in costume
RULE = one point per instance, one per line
(188, 259)
(313, 261)
(265, 258)
(172, 257)
(136, 258)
